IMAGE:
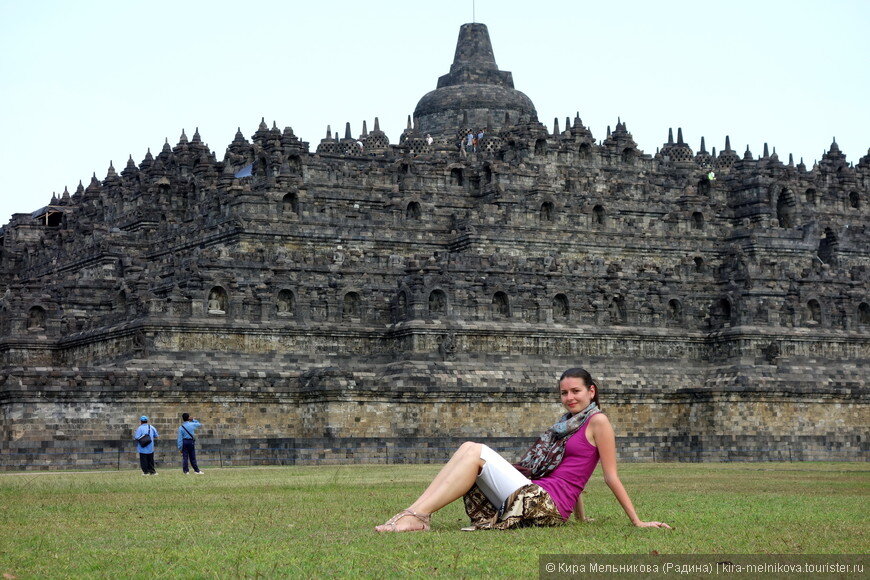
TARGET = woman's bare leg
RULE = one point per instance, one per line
(452, 482)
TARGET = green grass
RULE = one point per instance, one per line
(317, 521)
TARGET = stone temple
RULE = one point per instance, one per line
(382, 302)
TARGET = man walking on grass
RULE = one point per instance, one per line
(187, 443)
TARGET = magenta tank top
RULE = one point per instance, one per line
(565, 483)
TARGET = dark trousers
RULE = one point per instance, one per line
(188, 451)
(146, 462)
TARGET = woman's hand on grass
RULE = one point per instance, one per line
(653, 525)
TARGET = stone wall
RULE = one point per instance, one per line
(82, 420)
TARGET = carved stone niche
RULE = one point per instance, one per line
(217, 301)
(286, 303)
(36, 319)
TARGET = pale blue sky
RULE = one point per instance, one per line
(88, 82)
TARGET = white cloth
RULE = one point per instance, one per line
(498, 478)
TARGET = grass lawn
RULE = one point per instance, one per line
(317, 521)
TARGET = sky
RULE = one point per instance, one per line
(90, 82)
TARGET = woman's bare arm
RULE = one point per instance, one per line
(604, 438)
(580, 511)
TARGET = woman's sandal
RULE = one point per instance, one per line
(390, 525)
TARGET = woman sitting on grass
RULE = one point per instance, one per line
(544, 488)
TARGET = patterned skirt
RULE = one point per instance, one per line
(530, 505)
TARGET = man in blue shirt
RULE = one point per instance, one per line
(187, 441)
(146, 452)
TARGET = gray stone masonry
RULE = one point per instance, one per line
(383, 303)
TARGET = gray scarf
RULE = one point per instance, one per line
(547, 452)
